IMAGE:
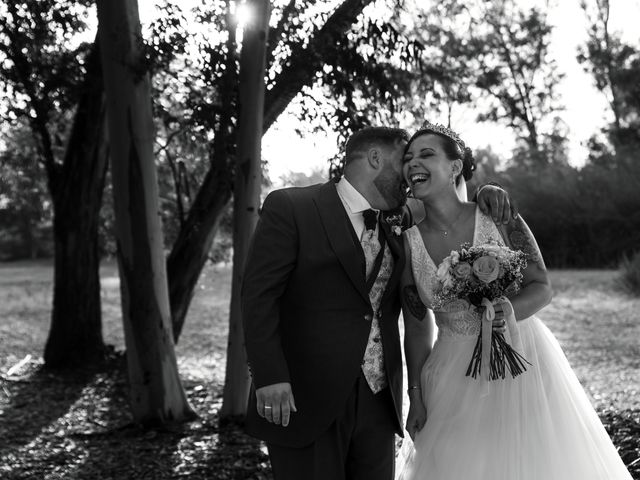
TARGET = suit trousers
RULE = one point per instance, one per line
(359, 445)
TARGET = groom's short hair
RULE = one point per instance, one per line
(364, 139)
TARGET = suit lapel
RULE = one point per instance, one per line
(341, 236)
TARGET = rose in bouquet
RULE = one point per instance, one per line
(485, 275)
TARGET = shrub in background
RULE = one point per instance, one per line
(629, 279)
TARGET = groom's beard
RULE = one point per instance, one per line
(391, 186)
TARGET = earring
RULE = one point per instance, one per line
(453, 177)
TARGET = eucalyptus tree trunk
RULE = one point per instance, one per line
(76, 186)
(246, 196)
(157, 396)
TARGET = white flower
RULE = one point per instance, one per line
(454, 257)
(396, 229)
(443, 274)
(494, 250)
(448, 283)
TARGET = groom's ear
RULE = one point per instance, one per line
(374, 158)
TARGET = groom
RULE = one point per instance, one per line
(320, 308)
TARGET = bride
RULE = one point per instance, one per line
(539, 425)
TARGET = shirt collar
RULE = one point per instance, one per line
(351, 197)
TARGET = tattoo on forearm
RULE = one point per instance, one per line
(413, 302)
(522, 239)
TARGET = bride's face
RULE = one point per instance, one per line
(426, 167)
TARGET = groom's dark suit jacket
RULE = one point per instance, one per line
(307, 314)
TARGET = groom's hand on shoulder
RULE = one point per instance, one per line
(275, 403)
(495, 201)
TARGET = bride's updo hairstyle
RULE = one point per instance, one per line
(452, 145)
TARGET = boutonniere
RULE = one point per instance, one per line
(395, 224)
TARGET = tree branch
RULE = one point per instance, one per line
(306, 61)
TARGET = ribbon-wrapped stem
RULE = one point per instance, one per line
(492, 348)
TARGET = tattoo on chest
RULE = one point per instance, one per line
(413, 303)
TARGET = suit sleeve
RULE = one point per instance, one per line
(270, 261)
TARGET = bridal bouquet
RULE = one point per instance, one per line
(485, 275)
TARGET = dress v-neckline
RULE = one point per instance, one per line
(474, 238)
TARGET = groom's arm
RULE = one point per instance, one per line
(491, 197)
(496, 202)
(271, 259)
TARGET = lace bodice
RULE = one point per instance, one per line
(455, 318)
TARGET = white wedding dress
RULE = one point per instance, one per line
(538, 426)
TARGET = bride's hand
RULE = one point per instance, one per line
(417, 416)
(499, 322)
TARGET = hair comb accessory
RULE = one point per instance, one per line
(441, 129)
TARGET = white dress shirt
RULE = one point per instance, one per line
(354, 204)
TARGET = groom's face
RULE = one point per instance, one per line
(390, 182)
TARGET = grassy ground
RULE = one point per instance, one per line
(77, 426)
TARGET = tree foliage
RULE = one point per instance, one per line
(494, 55)
(25, 214)
(41, 69)
(615, 67)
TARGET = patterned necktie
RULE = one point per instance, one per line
(373, 361)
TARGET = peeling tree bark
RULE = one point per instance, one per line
(246, 197)
(157, 396)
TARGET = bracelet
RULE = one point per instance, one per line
(412, 387)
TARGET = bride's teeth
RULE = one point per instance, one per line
(419, 177)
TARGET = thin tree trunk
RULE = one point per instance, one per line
(157, 396)
(246, 197)
(75, 335)
(191, 248)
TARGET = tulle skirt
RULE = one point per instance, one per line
(538, 426)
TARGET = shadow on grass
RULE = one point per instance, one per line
(79, 427)
(201, 449)
(35, 402)
(42, 409)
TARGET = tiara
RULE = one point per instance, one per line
(442, 130)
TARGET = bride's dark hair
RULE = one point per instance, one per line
(454, 148)
(454, 152)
